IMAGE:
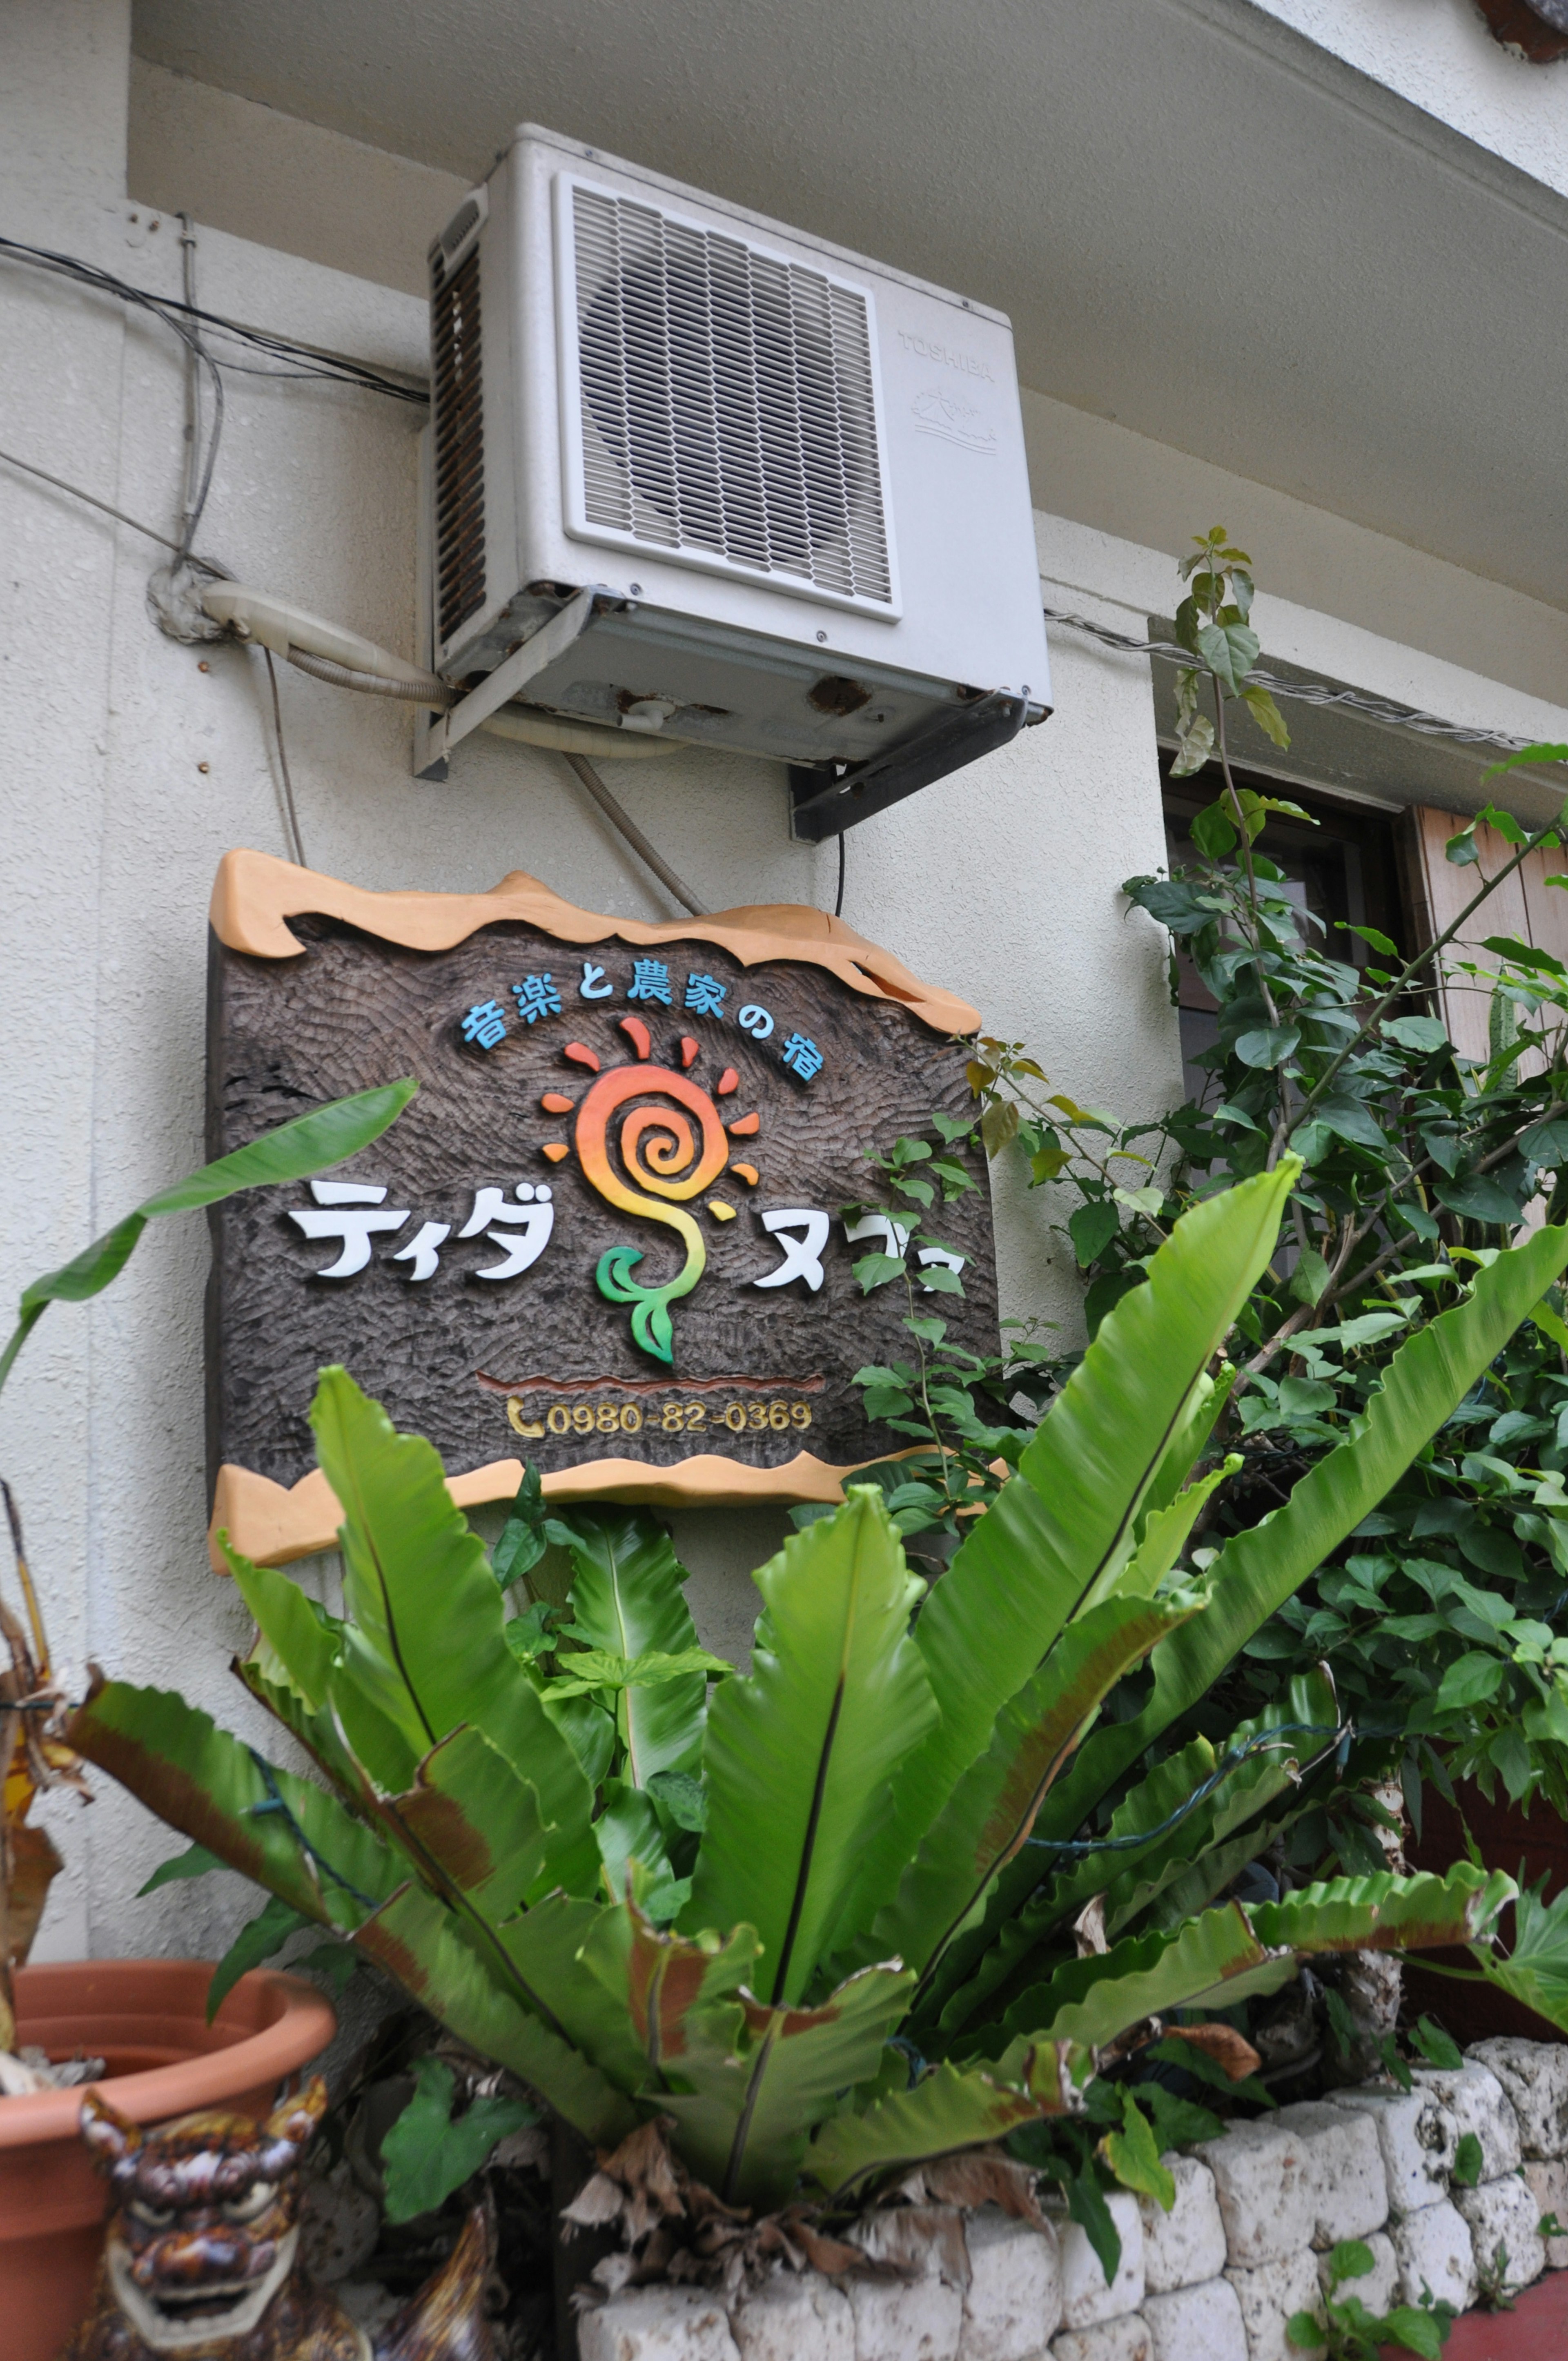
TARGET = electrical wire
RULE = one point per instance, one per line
(430, 691)
(198, 468)
(186, 319)
(207, 565)
(839, 897)
(1305, 692)
(621, 820)
(1072, 1850)
(296, 840)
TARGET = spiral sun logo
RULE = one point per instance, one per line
(651, 1140)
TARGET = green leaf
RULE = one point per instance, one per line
(800, 1755)
(1065, 1525)
(1536, 753)
(1267, 716)
(1463, 850)
(1091, 1229)
(1209, 1962)
(876, 1270)
(683, 1798)
(290, 1622)
(746, 2130)
(1309, 1279)
(1386, 1913)
(264, 1935)
(1535, 1969)
(946, 2110)
(1470, 1680)
(521, 1544)
(487, 2001)
(426, 2154)
(312, 1143)
(284, 1832)
(1437, 2048)
(1422, 1033)
(677, 1996)
(476, 1825)
(1418, 2331)
(1133, 2158)
(431, 1618)
(195, 1862)
(992, 1810)
(1214, 829)
(1086, 2204)
(1468, 2160)
(627, 1597)
(1257, 1570)
(1230, 651)
(1269, 1045)
(1480, 1199)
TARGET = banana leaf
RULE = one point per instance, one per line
(946, 2109)
(627, 1597)
(992, 1810)
(470, 1985)
(799, 1754)
(299, 1842)
(745, 2121)
(429, 1649)
(1256, 1571)
(1065, 1522)
(311, 1143)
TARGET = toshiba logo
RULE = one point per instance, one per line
(925, 350)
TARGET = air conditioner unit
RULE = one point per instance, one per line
(699, 474)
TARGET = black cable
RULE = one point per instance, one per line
(295, 837)
(183, 319)
(1077, 1849)
(838, 899)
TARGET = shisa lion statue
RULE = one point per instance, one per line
(199, 2257)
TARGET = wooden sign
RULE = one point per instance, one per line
(610, 1235)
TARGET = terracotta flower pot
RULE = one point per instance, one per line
(147, 2019)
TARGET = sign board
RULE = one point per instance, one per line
(608, 1236)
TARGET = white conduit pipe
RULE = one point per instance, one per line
(346, 661)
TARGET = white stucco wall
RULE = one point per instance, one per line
(1000, 882)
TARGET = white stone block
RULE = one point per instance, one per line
(1270, 2295)
(1187, 2246)
(1265, 2183)
(1478, 2103)
(657, 2323)
(1504, 2214)
(1377, 2288)
(1013, 2306)
(1085, 2298)
(1548, 2184)
(794, 2316)
(917, 2321)
(1349, 2186)
(1197, 2324)
(1126, 2339)
(1434, 2250)
(1535, 2076)
(1416, 2137)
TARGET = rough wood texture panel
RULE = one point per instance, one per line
(488, 1369)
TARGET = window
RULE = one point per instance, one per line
(1346, 870)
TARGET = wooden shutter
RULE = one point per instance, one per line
(1524, 905)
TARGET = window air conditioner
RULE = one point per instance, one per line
(696, 474)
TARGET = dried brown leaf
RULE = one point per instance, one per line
(985, 2177)
(1226, 2047)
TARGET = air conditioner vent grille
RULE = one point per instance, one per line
(459, 443)
(727, 401)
